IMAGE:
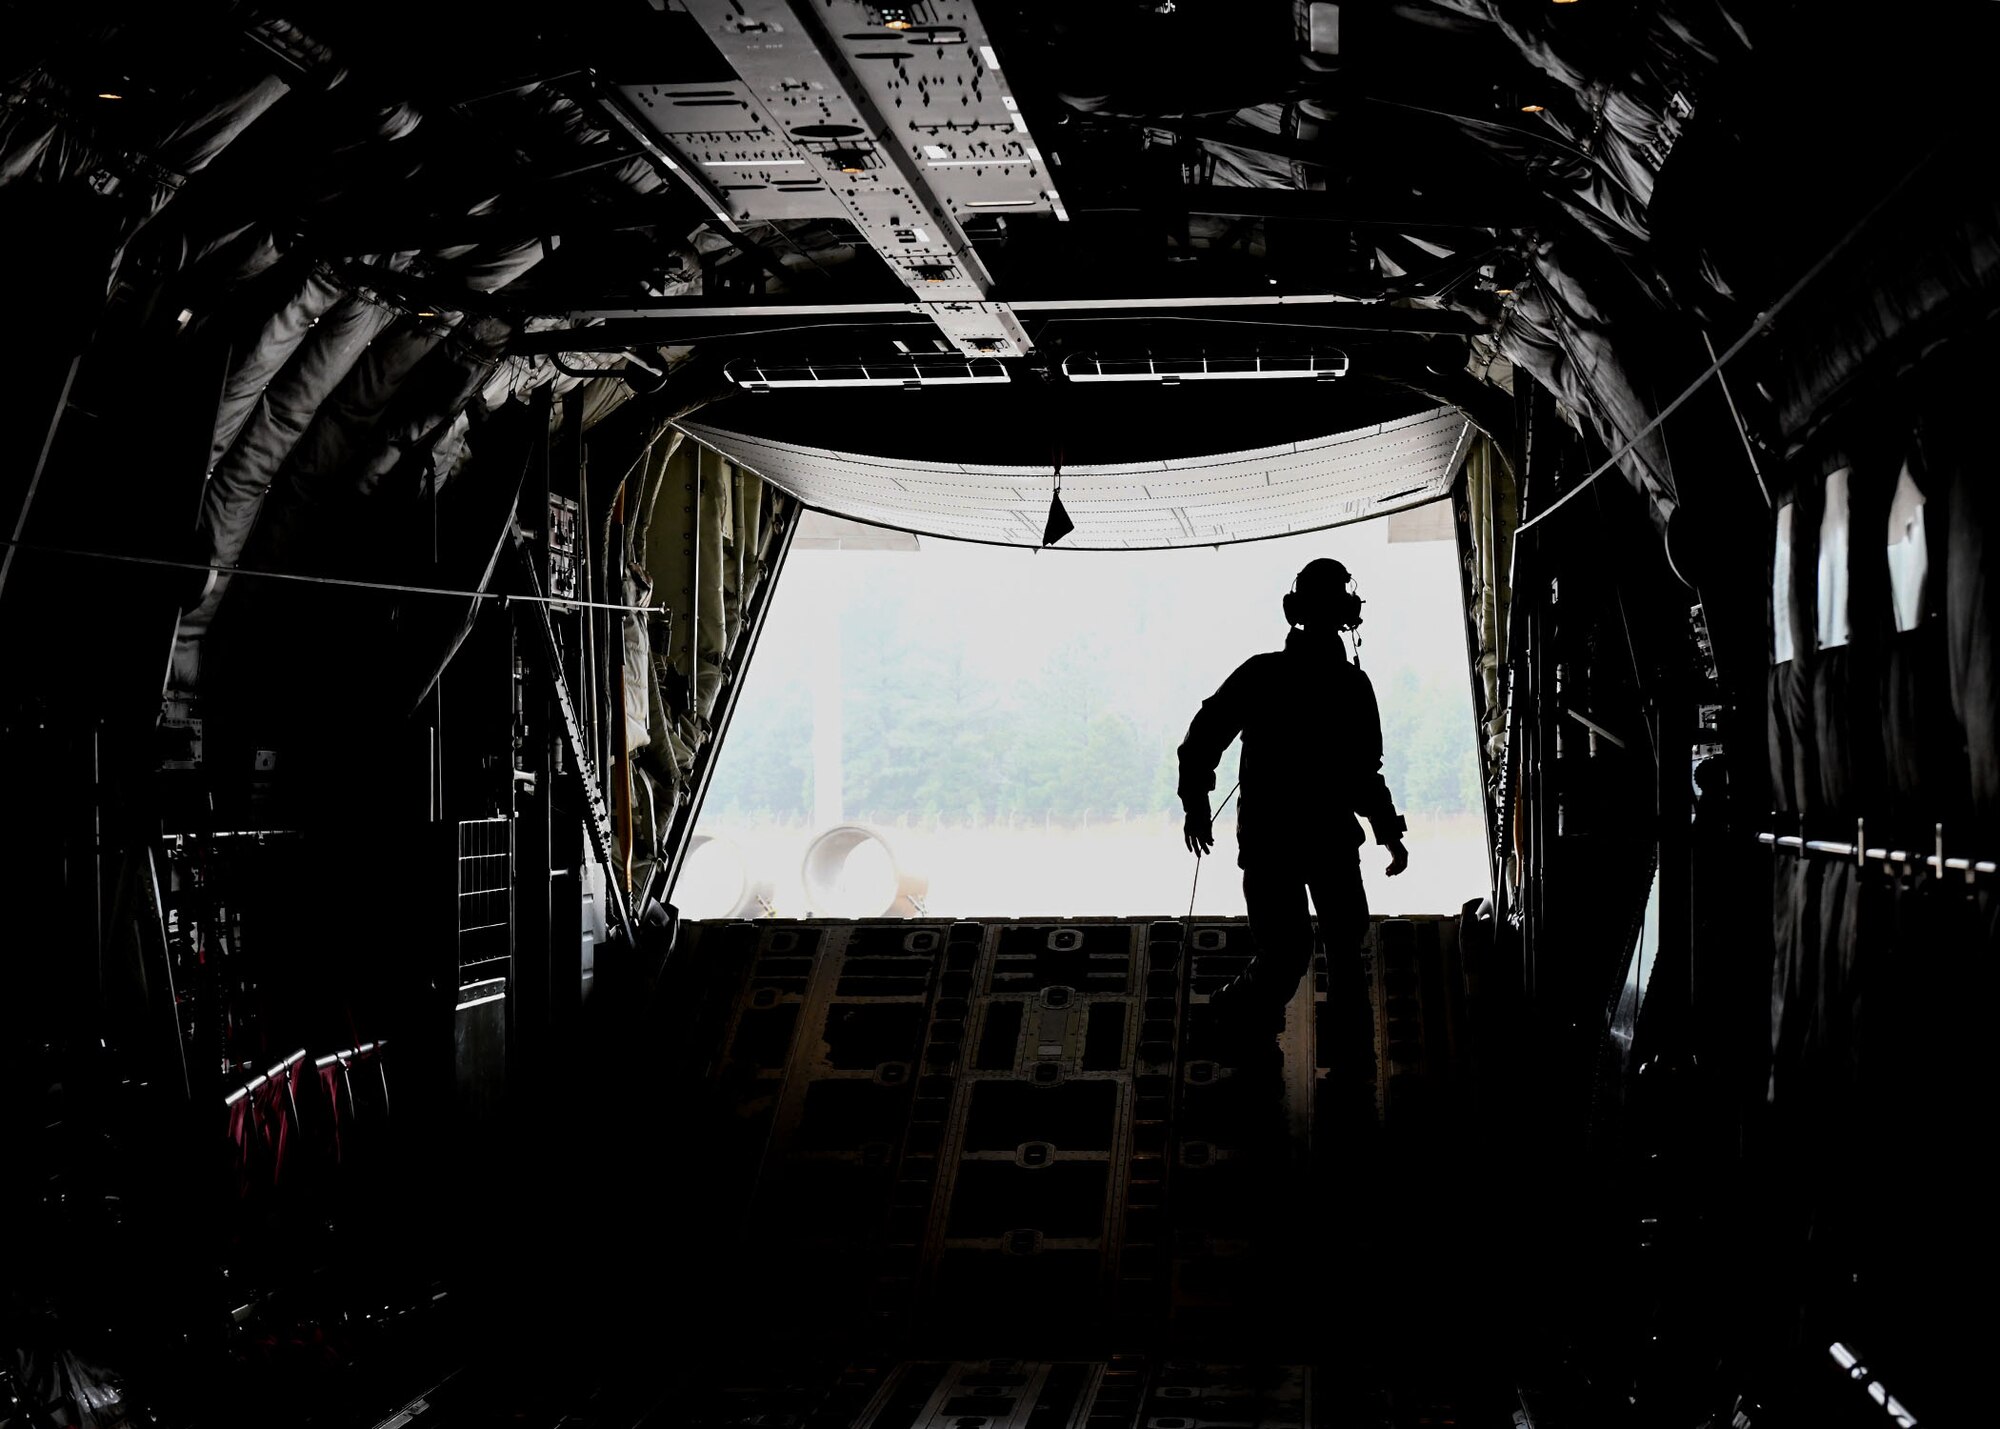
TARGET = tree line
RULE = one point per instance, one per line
(927, 737)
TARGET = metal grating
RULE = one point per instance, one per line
(1200, 501)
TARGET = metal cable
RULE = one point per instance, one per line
(391, 587)
(1197, 858)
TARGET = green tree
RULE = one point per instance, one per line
(1118, 772)
(766, 766)
(1440, 764)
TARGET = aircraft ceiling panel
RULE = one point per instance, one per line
(1198, 501)
(723, 130)
(894, 117)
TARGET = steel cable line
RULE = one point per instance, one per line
(391, 587)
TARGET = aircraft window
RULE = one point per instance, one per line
(1005, 723)
(1832, 627)
(1909, 555)
(1782, 640)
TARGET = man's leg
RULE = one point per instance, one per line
(1275, 898)
(1354, 1257)
(1342, 905)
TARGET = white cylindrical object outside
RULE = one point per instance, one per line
(850, 871)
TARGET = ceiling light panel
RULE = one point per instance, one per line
(1198, 501)
(935, 370)
(1220, 367)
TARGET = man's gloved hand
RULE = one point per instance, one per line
(1199, 830)
(1399, 857)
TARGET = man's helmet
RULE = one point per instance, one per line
(1324, 595)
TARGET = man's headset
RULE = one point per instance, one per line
(1331, 593)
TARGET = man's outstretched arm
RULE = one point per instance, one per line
(1372, 799)
(1215, 724)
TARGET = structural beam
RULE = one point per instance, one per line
(1405, 213)
(683, 320)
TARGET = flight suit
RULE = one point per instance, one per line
(1312, 761)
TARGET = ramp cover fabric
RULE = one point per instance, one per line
(1198, 501)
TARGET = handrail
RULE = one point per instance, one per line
(1861, 852)
(268, 1074)
(361, 1051)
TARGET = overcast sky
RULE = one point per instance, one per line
(1194, 614)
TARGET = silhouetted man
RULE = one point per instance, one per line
(1312, 761)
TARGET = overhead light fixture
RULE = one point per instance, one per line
(1533, 108)
(909, 372)
(107, 94)
(1090, 367)
(896, 17)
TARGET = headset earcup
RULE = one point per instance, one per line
(1291, 608)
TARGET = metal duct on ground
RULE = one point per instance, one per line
(726, 869)
(898, 894)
